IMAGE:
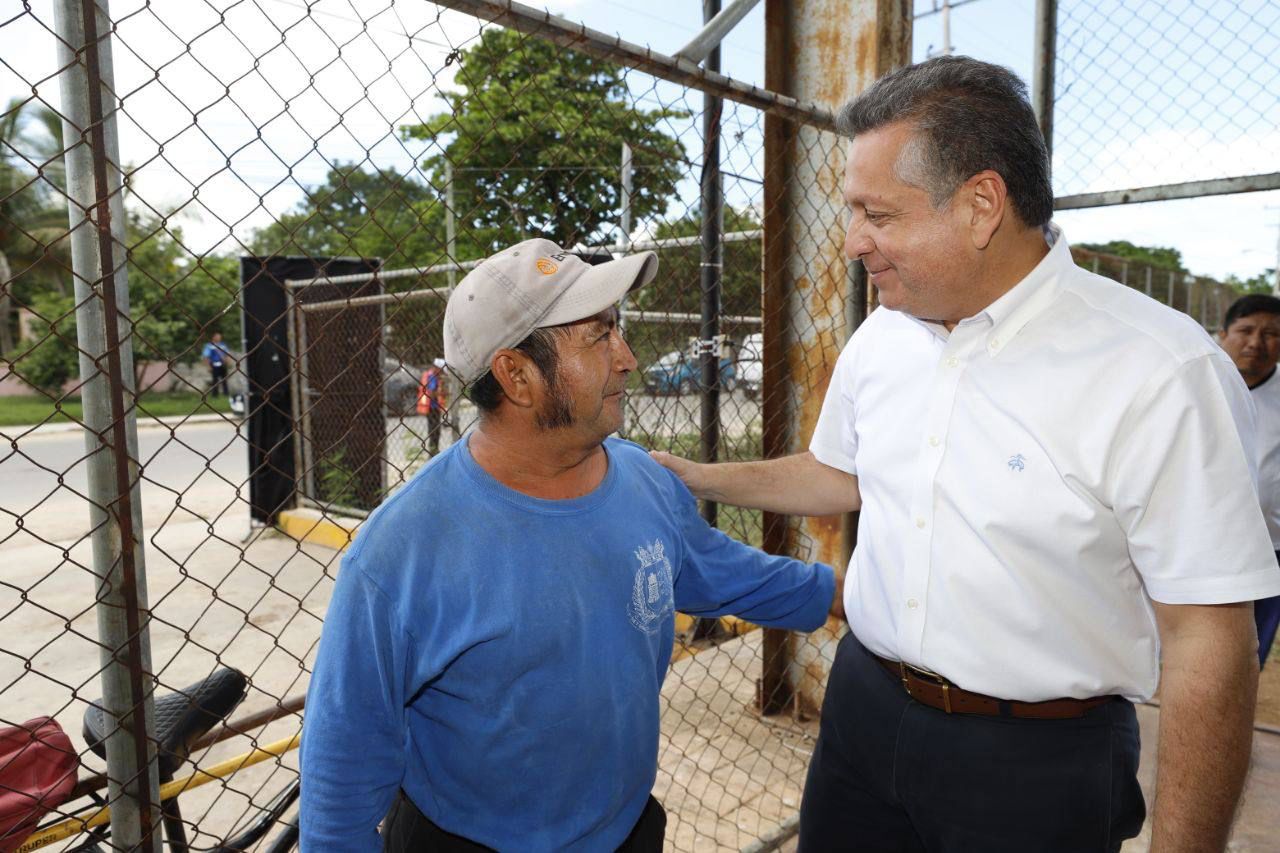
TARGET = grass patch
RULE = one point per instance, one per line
(30, 410)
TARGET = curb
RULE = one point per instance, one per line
(313, 526)
(33, 430)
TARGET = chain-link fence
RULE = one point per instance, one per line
(1159, 93)
(258, 284)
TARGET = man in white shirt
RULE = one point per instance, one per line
(1251, 336)
(1053, 473)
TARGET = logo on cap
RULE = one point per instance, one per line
(546, 267)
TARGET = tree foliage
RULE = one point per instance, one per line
(1162, 257)
(534, 137)
(361, 213)
(1263, 282)
(678, 286)
(175, 304)
(33, 211)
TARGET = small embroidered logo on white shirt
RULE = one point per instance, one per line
(1017, 463)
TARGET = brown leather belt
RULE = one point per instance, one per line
(929, 688)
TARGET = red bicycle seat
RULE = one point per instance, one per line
(37, 774)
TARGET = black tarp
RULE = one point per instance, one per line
(270, 412)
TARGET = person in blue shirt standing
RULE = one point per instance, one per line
(492, 677)
(215, 355)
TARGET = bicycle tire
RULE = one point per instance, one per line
(262, 825)
(287, 839)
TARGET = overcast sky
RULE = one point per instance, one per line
(230, 129)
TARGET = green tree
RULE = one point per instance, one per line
(175, 303)
(1263, 282)
(1155, 256)
(33, 212)
(362, 213)
(534, 136)
(679, 284)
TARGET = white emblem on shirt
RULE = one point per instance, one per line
(1017, 462)
(651, 598)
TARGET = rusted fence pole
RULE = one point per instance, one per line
(823, 51)
(103, 332)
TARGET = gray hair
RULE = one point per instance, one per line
(967, 117)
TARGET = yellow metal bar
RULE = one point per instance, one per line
(169, 790)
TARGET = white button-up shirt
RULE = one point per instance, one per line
(1032, 479)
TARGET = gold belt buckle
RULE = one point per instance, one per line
(927, 675)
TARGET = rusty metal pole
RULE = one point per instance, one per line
(824, 51)
(103, 335)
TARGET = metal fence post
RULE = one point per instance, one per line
(453, 388)
(712, 266)
(1046, 45)
(808, 282)
(103, 333)
(625, 176)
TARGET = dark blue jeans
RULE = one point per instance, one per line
(1266, 616)
(889, 774)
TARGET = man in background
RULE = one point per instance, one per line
(215, 355)
(1251, 336)
(432, 402)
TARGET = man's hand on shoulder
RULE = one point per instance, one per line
(691, 473)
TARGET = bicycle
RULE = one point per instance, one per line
(38, 772)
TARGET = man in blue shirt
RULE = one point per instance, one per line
(493, 653)
(215, 355)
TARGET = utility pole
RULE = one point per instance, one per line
(946, 27)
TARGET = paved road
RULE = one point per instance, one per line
(194, 472)
(191, 472)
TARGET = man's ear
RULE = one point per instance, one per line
(517, 375)
(988, 199)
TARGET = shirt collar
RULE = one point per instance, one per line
(1029, 297)
(1007, 315)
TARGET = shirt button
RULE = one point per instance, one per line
(953, 362)
(912, 603)
(920, 523)
(933, 441)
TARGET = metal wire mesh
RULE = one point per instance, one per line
(1152, 93)
(309, 184)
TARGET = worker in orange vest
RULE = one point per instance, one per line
(432, 401)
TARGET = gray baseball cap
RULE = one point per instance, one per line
(530, 286)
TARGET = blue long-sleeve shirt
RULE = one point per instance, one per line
(500, 656)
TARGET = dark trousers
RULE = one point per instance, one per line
(408, 829)
(890, 775)
(1266, 616)
(218, 372)
(433, 430)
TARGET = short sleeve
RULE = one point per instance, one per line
(835, 439)
(1182, 485)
